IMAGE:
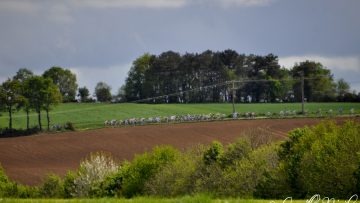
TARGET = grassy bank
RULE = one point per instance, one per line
(90, 115)
(197, 199)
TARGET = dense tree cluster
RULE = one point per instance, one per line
(29, 92)
(202, 78)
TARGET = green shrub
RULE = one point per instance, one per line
(213, 153)
(69, 126)
(177, 178)
(69, 184)
(242, 178)
(24, 191)
(322, 159)
(5, 184)
(52, 187)
(110, 187)
(236, 151)
(144, 167)
(14, 190)
(235, 171)
(273, 185)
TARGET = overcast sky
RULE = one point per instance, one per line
(99, 39)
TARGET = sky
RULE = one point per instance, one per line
(99, 39)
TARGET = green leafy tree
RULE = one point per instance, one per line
(42, 94)
(318, 83)
(136, 77)
(84, 94)
(22, 75)
(10, 96)
(2, 108)
(102, 92)
(65, 80)
(121, 94)
(342, 89)
(52, 96)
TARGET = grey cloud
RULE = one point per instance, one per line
(95, 35)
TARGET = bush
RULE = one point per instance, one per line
(318, 157)
(69, 184)
(242, 178)
(18, 132)
(234, 171)
(93, 170)
(213, 153)
(24, 191)
(236, 151)
(69, 126)
(110, 187)
(52, 187)
(177, 178)
(6, 187)
(143, 168)
(273, 185)
(14, 190)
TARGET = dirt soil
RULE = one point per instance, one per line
(28, 159)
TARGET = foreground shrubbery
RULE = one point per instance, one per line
(324, 159)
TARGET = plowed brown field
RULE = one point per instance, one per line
(28, 159)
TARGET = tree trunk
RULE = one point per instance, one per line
(39, 120)
(48, 119)
(10, 118)
(27, 119)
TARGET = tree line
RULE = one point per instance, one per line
(200, 78)
(175, 78)
(29, 92)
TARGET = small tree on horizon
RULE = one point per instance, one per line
(84, 94)
(102, 92)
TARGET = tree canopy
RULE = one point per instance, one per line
(42, 93)
(65, 80)
(318, 84)
(201, 78)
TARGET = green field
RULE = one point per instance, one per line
(200, 199)
(93, 115)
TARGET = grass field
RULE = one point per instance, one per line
(93, 115)
(200, 199)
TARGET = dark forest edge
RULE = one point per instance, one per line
(323, 159)
(261, 79)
